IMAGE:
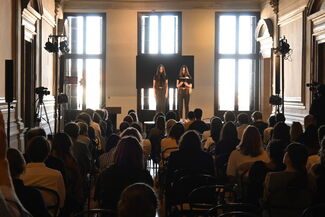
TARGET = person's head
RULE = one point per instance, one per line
(229, 132)
(183, 71)
(61, 144)
(295, 131)
(295, 157)
(216, 126)
(257, 116)
(134, 116)
(128, 119)
(137, 126)
(251, 143)
(161, 70)
(91, 133)
(281, 131)
(85, 117)
(169, 124)
(157, 115)
(229, 116)
(131, 110)
(321, 133)
(243, 118)
(129, 153)
(83, 128)
(38, 149)
(171, 115)
(308, 121)
(72, 129)
(160, 123)
(198, 113)
(177, 131)
(272, 120)
(138, 200)
(275, 150)
(90, 112)
(190, 141)
(97, 118)
(16, 162)
(191, 116)
(33, 132)
(101, 113)
(279, 117)
(131, 131)
(112, 142)
(124, 125)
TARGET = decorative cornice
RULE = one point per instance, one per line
(275, 5)
(48, 18)
(29, 19)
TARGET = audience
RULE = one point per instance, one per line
(248, 151)
(128, 119)
(170, 144)
(214, 135)
(258, 122)
(295, 131)
(107, 158)
(128, 169)
(123, 126)
(156, 134)
(229, 116)
(30, 197)
(169, 124)
(171, 115)
(138, 200)
(267, 134)
(37, 174)
(243, 121)
(191, 119)
(279, 117)
(281, 132)
(198, 125)
(310, 137)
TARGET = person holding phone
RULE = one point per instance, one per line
(184, 86)
(160, 87)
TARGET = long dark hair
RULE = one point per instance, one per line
(164, 71)
(216, 126)
(229, 133)
(190, 142)
(251, 143)
(187, 73)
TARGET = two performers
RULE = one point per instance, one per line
(183, 84)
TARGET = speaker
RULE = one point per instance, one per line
(9, 87)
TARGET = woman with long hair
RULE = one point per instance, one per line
(184, 85)
(160, 87)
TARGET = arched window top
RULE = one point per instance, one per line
(314, 6)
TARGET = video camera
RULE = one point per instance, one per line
(42, 91)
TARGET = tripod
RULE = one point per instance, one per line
(40, 107)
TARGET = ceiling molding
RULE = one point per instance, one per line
(241, 5)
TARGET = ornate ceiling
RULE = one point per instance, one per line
(164, 4)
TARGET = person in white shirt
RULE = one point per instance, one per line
(248, 151)
(38, 175)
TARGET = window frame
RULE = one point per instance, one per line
(84, 56)
(159, 14)
(255, 57)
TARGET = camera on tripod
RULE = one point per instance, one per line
(42, 91)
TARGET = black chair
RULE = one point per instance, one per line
(234, 207)
(97, 213)
(54, 208)
(202, 199)
(177, 194)
(317, 210)
(238, 214)
(164, 159)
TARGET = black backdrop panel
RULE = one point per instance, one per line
(147, 65)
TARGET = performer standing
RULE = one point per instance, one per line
(184, 85)
(160, 87)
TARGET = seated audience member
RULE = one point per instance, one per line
(61, 148)
(156, 134)
(30, 197)
(146, 145)
(54, 162)
(281, 131)
(172, 140)
(131, 131)
(317, 173)
(312, 159)
(128, 169)
(31, 133)
(9, 202)
(267, 134)
(138, 200)
(259, 169)
(286, 192)
(191, 119)
(214, 135)
(310, 137)
(84, 117)
(79, 150)
(229, 116)
(169, 124)
(83, 134)
(295, 131)
(279, 117)
(37, 174)
(243, 121)
(123, 126)
(198, 125)
(228, 139)
(171, 115)
(134, 117)
(131, 110)
(248, 151)
(128, 119)
(107, 158)
(138, 126)
(258, 122)
(190, 156)
(95, 124)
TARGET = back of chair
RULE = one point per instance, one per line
(317, 210)
(51, 199)
(238, 214)
(234, 207)
(97, 213)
